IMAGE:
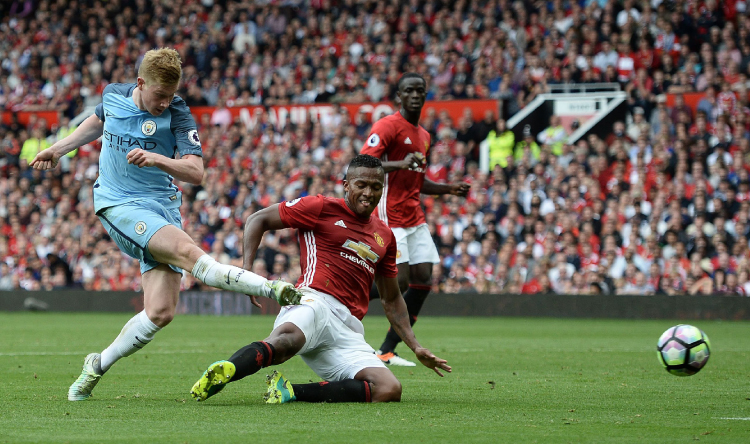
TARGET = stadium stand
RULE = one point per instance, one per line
(661, 205)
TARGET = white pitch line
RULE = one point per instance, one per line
(734, 419)
(165, 352)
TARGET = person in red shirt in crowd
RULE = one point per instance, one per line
(436, 172)
(726, 100)
(625, 63)
(402, 144)
(344, 249)
(646, 57)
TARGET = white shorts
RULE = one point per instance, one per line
(415, 245)
(335, 347)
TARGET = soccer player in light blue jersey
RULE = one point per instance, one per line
(149, 138)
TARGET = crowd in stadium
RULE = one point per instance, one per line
(661, 205)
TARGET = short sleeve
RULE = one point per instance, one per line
(301, 213)
(184, 129)
(379, 139)
(99, 111)
(387, 267)
(122, 89)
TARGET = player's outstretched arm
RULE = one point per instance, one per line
(255, 226)
(188, 168)
(395, 311)
(89, 130)
(457, 188)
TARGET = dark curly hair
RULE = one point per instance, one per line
(410, 75)
(364, 161)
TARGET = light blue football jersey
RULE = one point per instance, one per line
(126, 127)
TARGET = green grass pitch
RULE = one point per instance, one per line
(514, 381)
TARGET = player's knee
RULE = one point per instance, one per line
(161, 316)
(286, 345)
(187, 251)
(386, 391)
(422, 275)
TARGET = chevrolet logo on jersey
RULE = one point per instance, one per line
(363, 250)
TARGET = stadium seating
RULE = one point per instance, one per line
(661, 205)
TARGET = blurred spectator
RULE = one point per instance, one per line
(501, 142)
(554, 135)
(662, 204)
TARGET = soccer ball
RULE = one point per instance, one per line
(683, 350)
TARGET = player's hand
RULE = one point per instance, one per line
(141, 158)
(460, 189)
(254, 301)
(45, 159)
(431, 361)
(253, 298)
(412, 161)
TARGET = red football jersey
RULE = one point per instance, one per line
(340, 252)
(392, 138)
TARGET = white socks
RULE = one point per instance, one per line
(138, 332)
(231, 278)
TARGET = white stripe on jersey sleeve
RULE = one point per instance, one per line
(383, 205)
(312, 258)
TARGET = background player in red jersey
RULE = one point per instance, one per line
(402, 145)
(344, 248)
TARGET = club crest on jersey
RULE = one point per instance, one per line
(140, 228)
(148, 127)
(374, 140)
(407, 141)
(378, 239)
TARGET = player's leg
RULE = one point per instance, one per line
(338, 353)
(293, 326)
(171, 245)
(385, 351)
(280, 346)
(384, 387)
(161, 288)
(159, 282)
(414, 298)
(369, 385)
(161, 292)
(422, 255)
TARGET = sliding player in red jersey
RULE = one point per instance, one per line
(344, 248)
(402, 145)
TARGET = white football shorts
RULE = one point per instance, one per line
(335, 347)
(415, 245)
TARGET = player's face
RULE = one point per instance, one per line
(364, 189)
(155, 97)
(412, 94)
